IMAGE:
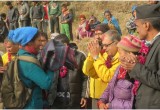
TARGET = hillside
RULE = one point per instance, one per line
(120, 9)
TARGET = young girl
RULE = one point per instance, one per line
(119, 93)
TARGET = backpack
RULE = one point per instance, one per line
(14, 93)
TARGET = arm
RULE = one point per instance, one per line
(31, 13)
(16, 15)
(59, 10)
(104, 73)
(36, 74)
(42, 10)
(88, 68)
(27, 8)
(84, 79)
(146, 76)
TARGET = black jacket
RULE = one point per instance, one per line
(77, 85)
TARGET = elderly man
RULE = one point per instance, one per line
(148, 28)
(100, 65)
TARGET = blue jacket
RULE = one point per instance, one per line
(35, 78)
(114, 22)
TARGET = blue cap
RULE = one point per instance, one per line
(22, 35)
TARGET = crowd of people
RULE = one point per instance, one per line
(118, 72)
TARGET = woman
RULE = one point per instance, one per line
(31, 75)
(119, 94)
(111, 21)
(82, 30)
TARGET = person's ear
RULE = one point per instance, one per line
(147, 25)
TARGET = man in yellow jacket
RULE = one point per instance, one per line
(101, 63)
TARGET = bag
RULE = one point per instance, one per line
(14, 93)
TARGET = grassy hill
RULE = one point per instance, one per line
(120, 9)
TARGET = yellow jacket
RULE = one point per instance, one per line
(5, 59)
(99, 74)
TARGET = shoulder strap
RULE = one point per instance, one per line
(30, 59)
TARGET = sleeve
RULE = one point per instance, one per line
(27, 8)
(88, 68)
(84, 80)
(116, 24)
(49, 9)
(42, 10)
(36, 74)
(59, 10)
(70, 18)
(16, 14)
(31, 13)
(87, 26)
(146, 76)
(104, 73)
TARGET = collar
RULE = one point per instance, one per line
(148, 43)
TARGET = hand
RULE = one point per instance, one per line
(2, 69)
(103, 106)
(83, 102)
(129, 61)
(94, 48)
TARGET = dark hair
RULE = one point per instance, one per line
(43, 34)
(62, 38)
(155, 23)
(3, 15)
(8, 3)
(38, 34)
(108, 11)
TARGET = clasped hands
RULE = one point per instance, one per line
(129, 61)
(94, 48)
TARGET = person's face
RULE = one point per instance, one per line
(82, 20)
(43, 41)
(122, 54)
(134, 14)
(64, 9)
(37, 43)
(107, 16)
(98, 34)
(141, 29)
(109, 46)
(12, 48)
(9, 6)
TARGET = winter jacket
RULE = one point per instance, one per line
(77, 83)
(24, 11)
(99, 74)
(119, 93)
(34, 78)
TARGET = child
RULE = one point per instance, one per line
(119, 93)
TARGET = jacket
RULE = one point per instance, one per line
(13, 15)
(77, 83)
(99, 74)
(119, 93)
(56, 11)
(148, 74)
(34, 78)
(24, 11)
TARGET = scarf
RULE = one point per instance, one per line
(108, 62)
(31, 50)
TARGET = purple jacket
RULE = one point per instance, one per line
(118, 93)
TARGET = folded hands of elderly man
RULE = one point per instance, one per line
(129, 61)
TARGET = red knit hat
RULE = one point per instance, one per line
(82, 16)
(130, 43)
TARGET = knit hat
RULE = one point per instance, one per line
(102, 27)
(82, 16)
(130, 43)
(22, 35)
(148, 11)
